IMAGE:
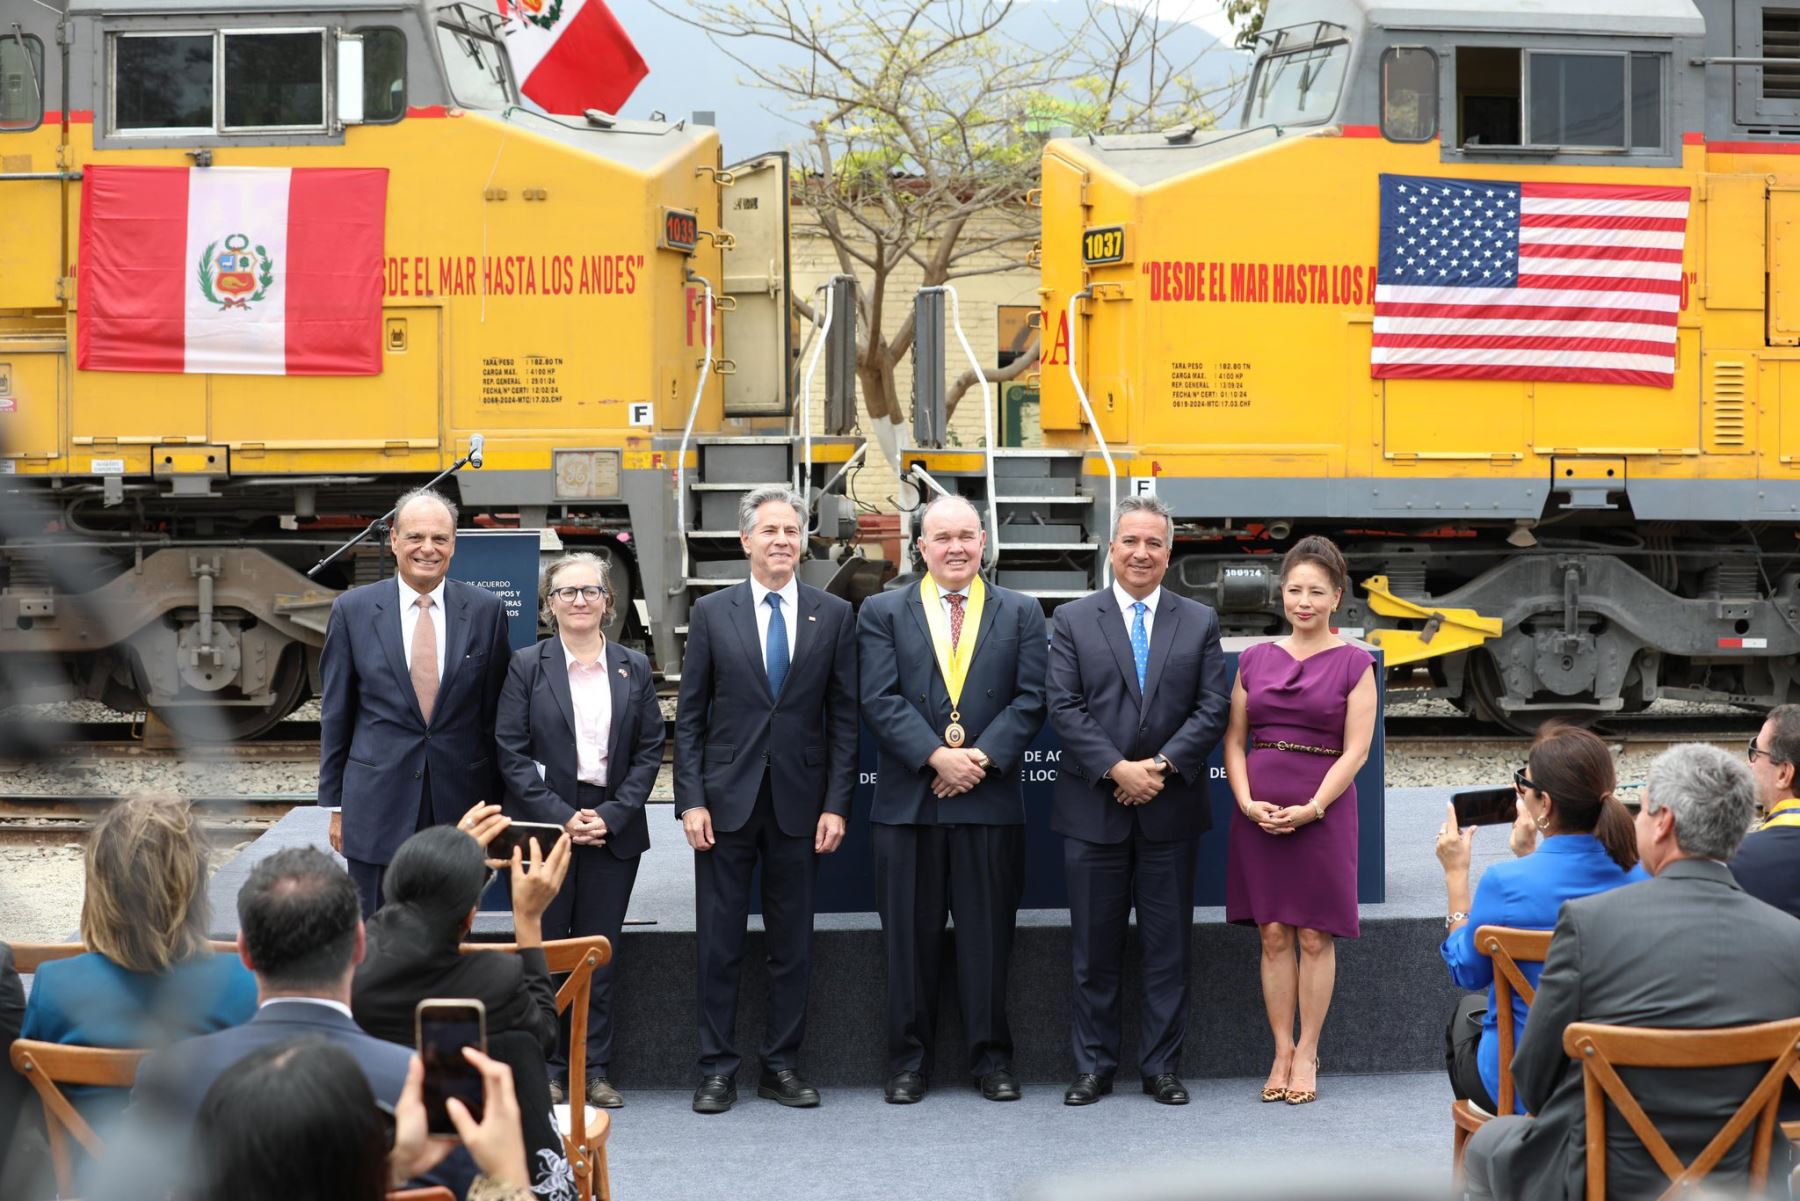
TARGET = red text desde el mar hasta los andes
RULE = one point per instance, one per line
(512, 275)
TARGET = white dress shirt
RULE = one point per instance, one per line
(409, 617)
(327, 1002)
(1126, 600)
(790, 602)
(590, 691)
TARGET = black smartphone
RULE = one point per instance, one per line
(520, 834)
(1486, 806)
(444, 1027)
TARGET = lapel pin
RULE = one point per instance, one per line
(810, 617)
(624, 672)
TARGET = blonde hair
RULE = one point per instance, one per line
(145, 904)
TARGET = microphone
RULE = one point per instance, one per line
(476, 441)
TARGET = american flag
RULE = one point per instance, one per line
(1533, 281)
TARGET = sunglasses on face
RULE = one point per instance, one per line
(1752, 751)
(1522, 782)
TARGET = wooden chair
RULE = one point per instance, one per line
(1507, 947)
(48, 1065)
(28, 955)
(584, 1128)
(1600, 1049)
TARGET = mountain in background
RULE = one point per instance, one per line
(689, 74)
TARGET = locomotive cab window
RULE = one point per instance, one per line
(1409, 94)
(275, 80)
(1299, 77)
(229, 81)
(21, 82)
(384, 75)
(1548, 101)
(475, 67)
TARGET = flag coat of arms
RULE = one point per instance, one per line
(231, 270)
(1481, 279)
(571, 55)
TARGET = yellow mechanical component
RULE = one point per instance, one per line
(1446, 630)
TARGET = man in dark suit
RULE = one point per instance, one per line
(1687, 949)
(412, 670)
(765, 764)
(953, 690)
(300, 933)
(1139, 697)
(1767, 863)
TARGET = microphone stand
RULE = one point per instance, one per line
(381, 522)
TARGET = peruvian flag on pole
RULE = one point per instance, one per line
(233, 270)
(571, 55)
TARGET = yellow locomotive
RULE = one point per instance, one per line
(1574, 518)
(605, 302)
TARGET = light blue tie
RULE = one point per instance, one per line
(1140, 643)
(775, 653)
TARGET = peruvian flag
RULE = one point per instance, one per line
(233, 270)
(571, 55)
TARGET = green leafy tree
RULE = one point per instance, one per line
(1246, 16)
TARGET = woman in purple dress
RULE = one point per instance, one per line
(1302, 717)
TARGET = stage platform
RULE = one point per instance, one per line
(1393, 993)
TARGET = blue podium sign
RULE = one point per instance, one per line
(846, 884)
(505, 562)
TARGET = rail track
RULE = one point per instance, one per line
(52, 819)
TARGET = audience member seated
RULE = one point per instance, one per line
(300, 931)
(297, 1121)
(431, 891)
(13, 1088)
(1767, 864)
(1687, 949)
(1587, 846)
(148, 977)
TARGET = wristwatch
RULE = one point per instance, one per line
(987, 760)
(1162, 763)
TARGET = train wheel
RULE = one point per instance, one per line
(236, 723)
(1485, 689)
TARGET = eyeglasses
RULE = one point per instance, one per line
(1752, 751)
(589, 593)
(1522, 782)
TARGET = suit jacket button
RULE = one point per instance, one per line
(416, 775)
(1143, 729)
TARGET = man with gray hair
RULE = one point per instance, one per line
(1687, 949)
(1139, 696)
(765, 764)
(412, 670)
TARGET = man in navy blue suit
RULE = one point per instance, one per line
(765, 765)
(953, 691)
(1139, 697)
(300, 933)
(412, 671)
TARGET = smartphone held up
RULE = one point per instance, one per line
(444, 1027)
(1485, 806)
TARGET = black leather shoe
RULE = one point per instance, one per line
(558, 1093)
(1087, 1089)
(602, 1095)
(1000, 1085)
(1167, 1089)
(905, 1088)
(716, 1094)
(787, 1087)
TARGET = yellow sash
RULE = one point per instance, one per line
(954, 664)
(1785, 814)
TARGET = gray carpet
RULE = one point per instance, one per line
(1367, 1136)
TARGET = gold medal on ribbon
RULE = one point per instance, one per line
(953, 662)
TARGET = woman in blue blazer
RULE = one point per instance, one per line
(579, 737)
(148, 977)
(1572, 838)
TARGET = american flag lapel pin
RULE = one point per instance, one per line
(624, 672)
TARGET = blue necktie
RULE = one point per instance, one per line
(775, 652)
(1140, 644)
